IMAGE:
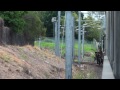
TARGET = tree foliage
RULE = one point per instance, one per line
(34, 27)
(14, 20)
(93, 30)
(38, 23)
(98, 14)
(46, 18)
(24, 22)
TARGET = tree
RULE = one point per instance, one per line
(14, 20)
(46, 18)
(25, 26)
(93, 29)
(76, 16)
(98, 14)
(34, 27)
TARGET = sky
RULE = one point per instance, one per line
(85, 13)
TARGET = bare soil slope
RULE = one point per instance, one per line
(29, 62)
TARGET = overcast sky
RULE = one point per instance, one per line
(85, 13)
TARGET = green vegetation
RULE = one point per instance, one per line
(5, 57)
(93, 31)
(34, 27)
(85, 75)
(34, 24)
(46, 17)
(25, 22)
(14, 20)
(88, 47)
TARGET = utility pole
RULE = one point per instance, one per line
(68, 39)
(79, 37)
(58, 37)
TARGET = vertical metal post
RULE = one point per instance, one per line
(83, 41)
(107, 32)
(59, 17)
(68, 38)
(79, 37)
(73, 37)
(63, 35)
(102, 45)
(62, 41)
(56, 40)
(53, 29)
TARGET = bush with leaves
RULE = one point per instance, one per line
(34, 27)
(14, 20)
(93, 30)
(46, 18)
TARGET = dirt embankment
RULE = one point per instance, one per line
(29, 62)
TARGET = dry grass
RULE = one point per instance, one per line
(29, 62)
(5, 56)
(35, 62)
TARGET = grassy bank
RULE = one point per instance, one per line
(49, 44)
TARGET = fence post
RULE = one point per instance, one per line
(68, 38)
(58, 31)
(73, 39)
(83, 41)
(79, 37)
(56, 40)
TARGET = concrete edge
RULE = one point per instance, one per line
(107, 72)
